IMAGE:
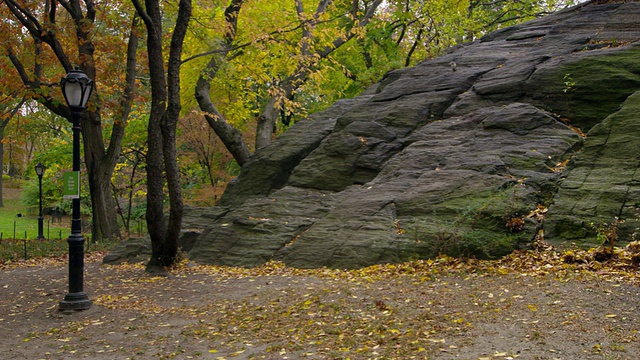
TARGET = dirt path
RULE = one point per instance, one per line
(425, 310)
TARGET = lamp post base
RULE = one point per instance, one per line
(75, 301)
(40, 226)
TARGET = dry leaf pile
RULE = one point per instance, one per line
(538, 304)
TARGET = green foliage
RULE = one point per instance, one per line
(52, 184)
(139, 210)
(35, 132)
(129, 176)
(51, 188)
(569, 83)
(269, 48)
(607, 235)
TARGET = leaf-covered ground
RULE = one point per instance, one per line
(542, 304)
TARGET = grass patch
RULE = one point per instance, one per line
(17, 222)
(19, 232)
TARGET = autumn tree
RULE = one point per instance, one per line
(9, 106)
(412, 31)
(313, 53)
(201, 147)
(11, 102)
(300, 41)
(44, 41)
(161, 130)
(24, 136)
(230, 135)
(129, 178)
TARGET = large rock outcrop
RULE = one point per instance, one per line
(466, 162)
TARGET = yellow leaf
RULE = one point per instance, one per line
(532, 307)
(610, 316)
(213, 351)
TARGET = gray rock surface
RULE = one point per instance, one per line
(603, 182)
(462, 162)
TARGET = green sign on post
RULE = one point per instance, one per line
(71, 185)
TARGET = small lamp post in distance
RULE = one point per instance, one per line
(76, 88)
(40, 171)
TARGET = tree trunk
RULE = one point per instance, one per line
(155, 184)
(152, 18)
(104, 223)
(99, 169)
(163, 117)
(267, 122)
(169, 125)
(99, 162)
(172, 172)
(1, 165)
(230, 136)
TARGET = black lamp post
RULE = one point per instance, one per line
(76, 88)
(40, 172)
